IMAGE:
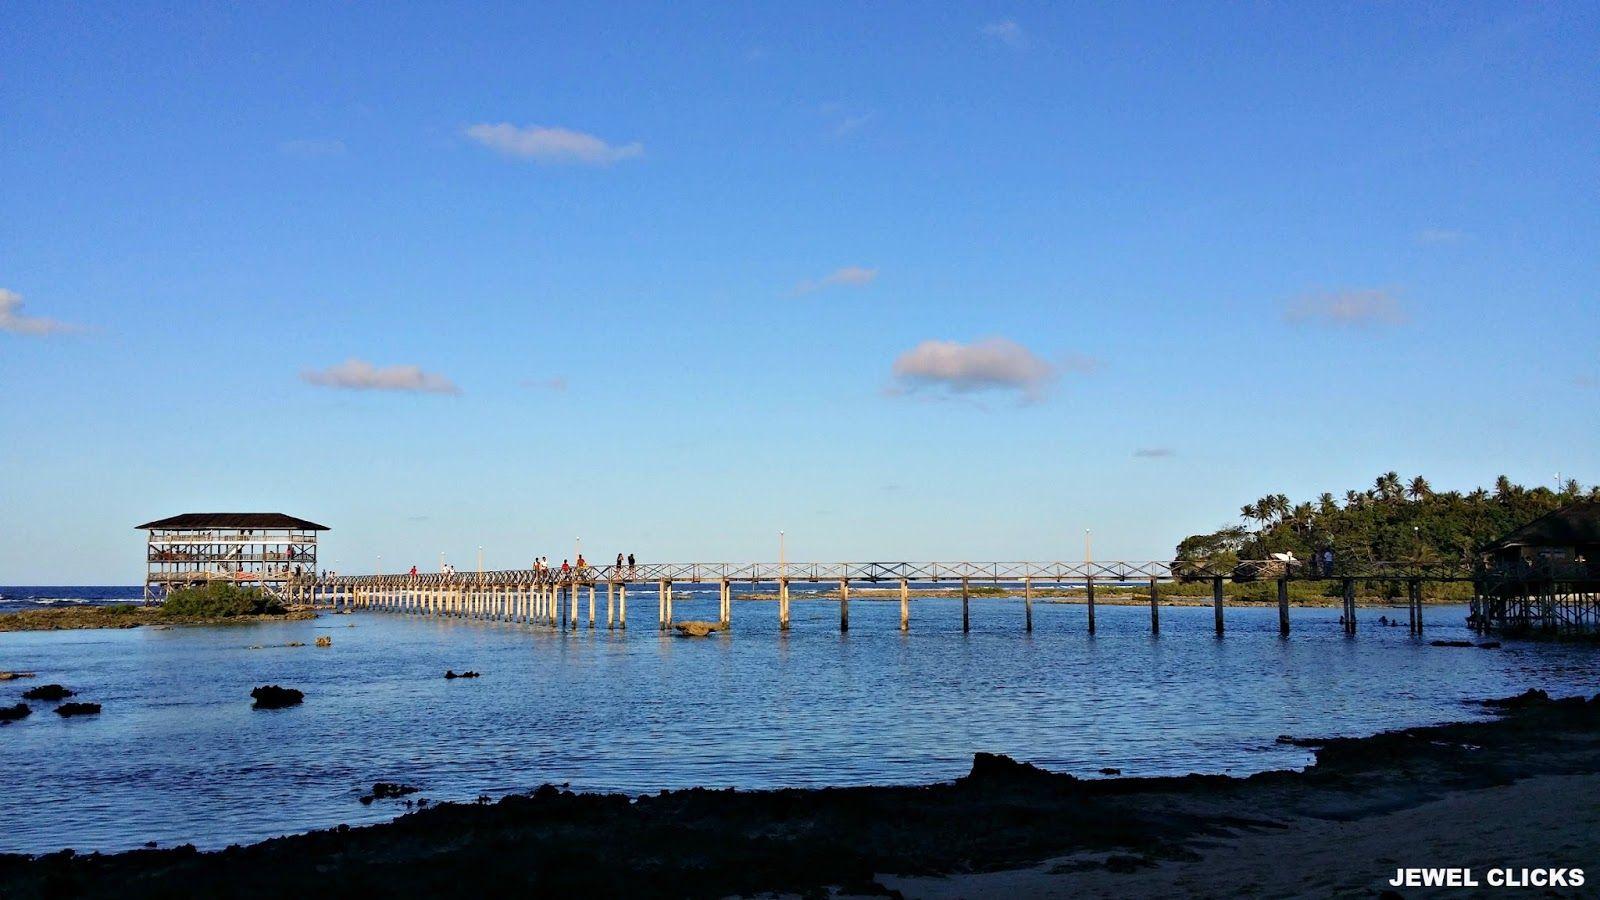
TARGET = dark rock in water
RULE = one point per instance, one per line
(1489, 645)
(78, 709)
(996, 767)
(1451, 643)
(387, 790)
(1530, 697)
(697, 629)
(51, 692)
(273, 697)
(13, 713)
(1110, 771)
(451, 673)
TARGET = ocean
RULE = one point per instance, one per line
(179, 756)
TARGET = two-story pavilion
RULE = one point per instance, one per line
(266, 550)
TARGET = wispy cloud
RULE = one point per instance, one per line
(540, 144)
(1429, 236)
(13, 321)
(1155, 453)
(360, 375)
(312, 148)
(1360, 309)
(992, 364)
(847, 276)
(556, 383)
(1585, 382)
(1006, 31)
(844, 120)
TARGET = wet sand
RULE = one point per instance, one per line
(1516, 790)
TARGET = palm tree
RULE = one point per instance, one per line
(1387, 486)
(1503, 488)
(1419, 489)
(1326, 504)
(1571, 490)
(1354, 499)
(1479, 495)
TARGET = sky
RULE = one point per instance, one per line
(900, 280)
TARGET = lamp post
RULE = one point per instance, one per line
(783, 565)
(1088, 545)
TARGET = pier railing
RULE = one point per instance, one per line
(1108, 572)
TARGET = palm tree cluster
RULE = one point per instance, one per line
(1395, 519)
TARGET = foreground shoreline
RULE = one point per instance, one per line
(1055, 832)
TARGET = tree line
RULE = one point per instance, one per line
(1394, 520)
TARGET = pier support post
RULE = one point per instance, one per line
(966, 604)
(622, 606)
(1283, 606)
(1155, 607)
(1349, 606)
(611, 604)
(572, 604)
(1420, 606)
(905, 605)
(727, 603)
(1088, 591)
(844, 605)
(1027, 604)
(1216, 601)
(661, 605)
(669, 604)
(783, 604)
(591, 606)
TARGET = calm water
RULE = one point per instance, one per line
(179, 756)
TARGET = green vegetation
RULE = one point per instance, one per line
(219, 600)
(1394, 520)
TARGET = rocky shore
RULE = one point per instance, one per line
(1342, 825)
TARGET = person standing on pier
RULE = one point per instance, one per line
(566, 570)
(618, 570)
(630, 565)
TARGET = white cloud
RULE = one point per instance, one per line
(992, 364)
(847, 276)
(1363, 309)
(1429, 236)
(360, 375)
(539, 144)
(12, 320)
(1006, 31)
(1155, 452)
(312, 148)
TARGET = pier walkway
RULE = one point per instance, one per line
(555, 599)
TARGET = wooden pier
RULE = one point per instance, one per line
(567, 601)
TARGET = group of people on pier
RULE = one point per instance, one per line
(544, 572)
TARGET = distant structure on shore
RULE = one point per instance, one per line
(1544, 576)
(271, 551)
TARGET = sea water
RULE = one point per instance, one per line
(179, 756)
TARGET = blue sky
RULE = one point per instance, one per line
(903, 280)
